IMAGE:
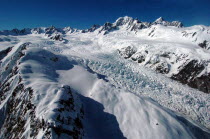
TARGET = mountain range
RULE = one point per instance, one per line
(127, 79)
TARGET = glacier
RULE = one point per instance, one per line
(110, 81)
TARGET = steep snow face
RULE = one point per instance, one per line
(94, 107)
(130, 24)
(32, 103)
(172, 54)
(69, 30)
(180, 53)
(131, 111)
(82, 87)
(191, 35)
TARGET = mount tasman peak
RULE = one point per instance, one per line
(127, 79)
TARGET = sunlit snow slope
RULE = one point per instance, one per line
(77, 84)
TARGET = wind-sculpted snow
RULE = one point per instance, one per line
(192, 103)
(32, 103)
(82, 87)
(131, 111)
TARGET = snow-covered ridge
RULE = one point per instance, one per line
(186, 67)
(129, 22)
(197, 34)
(166, 23)
(101, 82)
(36, 107)
(33, 93)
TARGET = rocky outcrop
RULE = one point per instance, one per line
(69, 30)
(132, 24)
(166, 23)
(19, 112)
(56, 37)
(205, 44)
(139, 56)
(92, 29)
(16, 32)
(3, 53)
(188, 74)
(127, 52)
(107, 27)
(202, 83)
(54, 33)
(186, 70)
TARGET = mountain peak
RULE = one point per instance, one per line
(123, 20)
(159, 20)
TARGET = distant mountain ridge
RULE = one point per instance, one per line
(160, 28)
(127, 79)
(132, 24)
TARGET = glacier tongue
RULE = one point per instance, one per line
(137, 116)
(80, 86)
(110, 109)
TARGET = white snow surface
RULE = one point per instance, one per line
(137, 116)
(121, 98)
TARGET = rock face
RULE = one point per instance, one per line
(19, 117)
(131, 24)
(139, 57)
(127, 52)
(166, 23)
(92, 29)
(69, 30)
(205, 44)
(166, 62)
(16, 32)
(179, 67)
(4, 52)
(51, 32)
(57, 37)
(106, 28)
(134, 24)
(48, 89)
(188, 74)
(54, 33)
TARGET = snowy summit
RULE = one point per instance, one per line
(128, 79)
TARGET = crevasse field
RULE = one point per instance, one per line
(121, 98)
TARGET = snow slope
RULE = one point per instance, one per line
(137, 116)
(80, 86)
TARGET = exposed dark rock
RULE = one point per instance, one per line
(165, 55)
(151, 32)
(162, 68)
(166, 23)
(51, 30)
(204, 45)
(55, 59)
(4, 53)
(140, 56)
(202, 83)
(93, 28)
(107, 27)
(127, 52)
(57, 37)
(188, 75)
(16, 31)
(194, 34)
(20, 111)
(188, 71)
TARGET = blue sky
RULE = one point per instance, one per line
(84, 13)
